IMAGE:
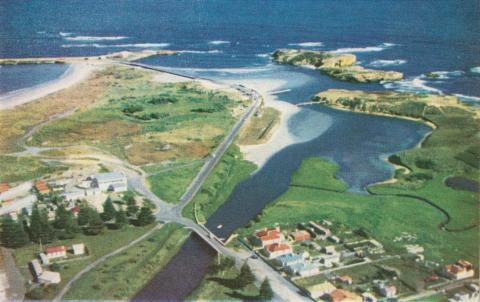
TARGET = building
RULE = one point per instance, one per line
(277, 249)
(302, 269)
(388, 291)
(330, 260)
(42, 187)
(35, 268)
(460, 270)
(44, 259)
(78, 249)
(368, 297)
(300, 235)
(341, 295)
(334, 239)
(49, 277)
(267, 237)
(345, 279)
(55, 252)
(4, 187)
(74, 195)
(112, 181)
(329, 249)
(288, 259)
(320, 229)
(414, 248)
(319, 290)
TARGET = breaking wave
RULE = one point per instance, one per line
(415, 84)
(307, 44)
(382, 63)
(445, 75)
(137, 45)
(475, 69)
(468, 98)
(380, 47)
(200, 51)
(218, 42)
(94, 38)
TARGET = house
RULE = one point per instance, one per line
(302, 269)
(111, 181)
(345, 279)
(414, 248)
(4, 187)
(49, 277)
(388, 291)
(35, 268)
(54, 252)
(42, 187)
(329, 260)
(277, 249)
(320, 229)
(341, 295)
(329, 249)
(460, 270)
(300, 235)
(74, 195)
(267, 237)
(288, 259)
(78, 249)
(334, 239)
(318, 290)
(368, 297)
(44, 259)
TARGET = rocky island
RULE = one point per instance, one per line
(338, 66)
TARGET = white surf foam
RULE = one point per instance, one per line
(475, 69)
(218, 42)
(137, 45)
(95, 38)
(65, 34)
(382, 63)
(468, 98)
(414, 84)
(380, 47)
(445, 75)
(200, 51)
(263, 55)
(307, 44)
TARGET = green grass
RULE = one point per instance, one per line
(170, 185)
(230, 171)
(308, 176)
(98, 246)
(13, 168)
(382, 217)
(222, 286)
(123, 275)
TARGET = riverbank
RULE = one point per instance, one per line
(280, 136)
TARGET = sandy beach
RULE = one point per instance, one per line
(75, 73)
(281, 137)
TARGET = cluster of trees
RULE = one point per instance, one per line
(37, 227)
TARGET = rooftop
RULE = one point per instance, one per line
(55, 249)
(110, 176)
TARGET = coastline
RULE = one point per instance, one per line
(281, 137)
(75, 73)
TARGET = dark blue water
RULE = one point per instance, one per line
(15, 77)
(428, 35)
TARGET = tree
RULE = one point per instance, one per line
(95, 224)
(13, 234)
(266, 292)
(121, 218)
(63, 218)
(132, 208)
(145, 216)
(246, 276)
(109, 211)
(40, 228)
(84, 215)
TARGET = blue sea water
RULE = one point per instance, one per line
(228, 40)
(426, 35)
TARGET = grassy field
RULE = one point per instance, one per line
(308, 176)
(259, 128)
(222, 286)
(382, 217)
(171, 184)
(147, 122)
(230, 171)
(13, 168)
(121, 276)
(97, 246)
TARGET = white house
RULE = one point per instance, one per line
(329, 260)
(112, 181)
(49, 277)
(56, 252)
(78, 249)
(44, 259)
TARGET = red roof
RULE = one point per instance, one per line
(55, 249)
(4, 187)
(301, 235)
(268, 232)
(75, 209)
(338, 295)
(277, 247)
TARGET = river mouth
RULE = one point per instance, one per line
(358, 143)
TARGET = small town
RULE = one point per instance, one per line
(332, 263)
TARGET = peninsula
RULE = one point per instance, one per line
(338, 66)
